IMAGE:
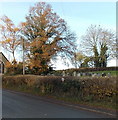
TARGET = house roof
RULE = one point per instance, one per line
(3, 58)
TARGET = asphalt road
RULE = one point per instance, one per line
(0, 103)
(17, 105)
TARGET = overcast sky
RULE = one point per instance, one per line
(78, 15)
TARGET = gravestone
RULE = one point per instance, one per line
(98, 74)
(103, 74)
(78, 74)
(67, 74)
(83, 74)
(63, 73)
(93, 74)
(109, 74)
(74, 73)
(62, 79)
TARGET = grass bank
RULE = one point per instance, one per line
(112, 73)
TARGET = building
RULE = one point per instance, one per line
(3, 62)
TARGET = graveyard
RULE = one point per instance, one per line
(87, 72)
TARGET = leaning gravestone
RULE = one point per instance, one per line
(95, 74)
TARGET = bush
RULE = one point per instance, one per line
(100, 88)
(14, 68)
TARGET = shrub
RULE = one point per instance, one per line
(14, 68)
(99, 88)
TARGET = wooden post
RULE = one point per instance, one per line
(23, 58)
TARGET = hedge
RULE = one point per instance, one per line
(89, 69)
(86, 89)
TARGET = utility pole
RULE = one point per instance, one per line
(23, 57)
(75, 57)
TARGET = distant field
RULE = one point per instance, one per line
(114, 73)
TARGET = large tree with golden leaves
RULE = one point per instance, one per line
(47, 35)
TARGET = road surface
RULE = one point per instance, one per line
(18, 105)
(0, 103)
